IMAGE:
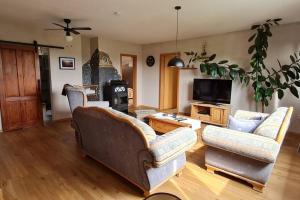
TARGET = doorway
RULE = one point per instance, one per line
(128, 73)
(45, 84)
(19, 87)
(168, 84)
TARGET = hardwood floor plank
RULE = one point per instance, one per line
(45, 163)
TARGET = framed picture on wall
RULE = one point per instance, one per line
(66, 63)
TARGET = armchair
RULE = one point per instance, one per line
(77, 97)
(250, 157)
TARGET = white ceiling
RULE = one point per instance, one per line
(149, 21)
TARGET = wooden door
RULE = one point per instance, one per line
(169, 83)
(128, 64)
(19, 91)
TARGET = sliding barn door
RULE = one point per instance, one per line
(19, 75)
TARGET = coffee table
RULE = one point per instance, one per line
(163, 123)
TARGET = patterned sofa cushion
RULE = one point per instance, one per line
(270, 127)
(168, 146)
(147, 130)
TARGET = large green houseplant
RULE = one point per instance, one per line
(265, 80)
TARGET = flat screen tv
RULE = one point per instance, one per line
(212, 90)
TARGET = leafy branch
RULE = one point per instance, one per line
(265, 81)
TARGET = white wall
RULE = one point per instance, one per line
(232, 46)
(114, 49)
(22, 33)
(85, 49)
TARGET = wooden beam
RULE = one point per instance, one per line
(34, 44)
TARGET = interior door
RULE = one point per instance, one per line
(19, 75)
(169, 80)
(128, 72)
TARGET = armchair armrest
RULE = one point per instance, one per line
(245, 144)
(168, 146)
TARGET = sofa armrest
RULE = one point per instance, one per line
(245, 144)
(243, 114)
(168, 146)
(101, 104)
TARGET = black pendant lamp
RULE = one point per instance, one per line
(176, 61)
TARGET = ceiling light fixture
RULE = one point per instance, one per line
(68, 37)
(176, 61)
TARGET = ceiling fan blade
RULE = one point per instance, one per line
(73, 31)
(81, 28)
(59, 25)
(54, 29)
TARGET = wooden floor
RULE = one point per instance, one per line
(45, 163)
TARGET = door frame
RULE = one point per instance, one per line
(2, 92)
(161, 81)
(134, 57)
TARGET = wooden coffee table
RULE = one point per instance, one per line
(163, 124)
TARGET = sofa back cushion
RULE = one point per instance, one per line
(250, 115)
(271, 126)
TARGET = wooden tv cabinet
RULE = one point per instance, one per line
(211, 114)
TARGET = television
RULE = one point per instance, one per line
(212, 90)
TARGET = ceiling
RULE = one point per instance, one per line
(149, 21)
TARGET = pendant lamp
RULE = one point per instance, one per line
(176, 61)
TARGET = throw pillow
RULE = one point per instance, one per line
(243, 125)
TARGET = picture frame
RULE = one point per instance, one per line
(66, 63)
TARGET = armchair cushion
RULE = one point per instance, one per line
(249, 145)
(166, 147)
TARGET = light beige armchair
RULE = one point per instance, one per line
(77, 97)
(248, 156)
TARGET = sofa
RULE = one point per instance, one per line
(248, 156)
(130, 147)
(77, 97)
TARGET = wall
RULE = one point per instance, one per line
(115, 49)
(22, 33)
(85, 49)
(232, 46)
(93, 45)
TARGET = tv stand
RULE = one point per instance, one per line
(211, 103)
(210, 113)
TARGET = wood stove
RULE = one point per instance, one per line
(116, 93)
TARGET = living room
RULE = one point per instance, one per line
(118, 37)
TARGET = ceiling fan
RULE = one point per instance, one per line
(68, 29)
